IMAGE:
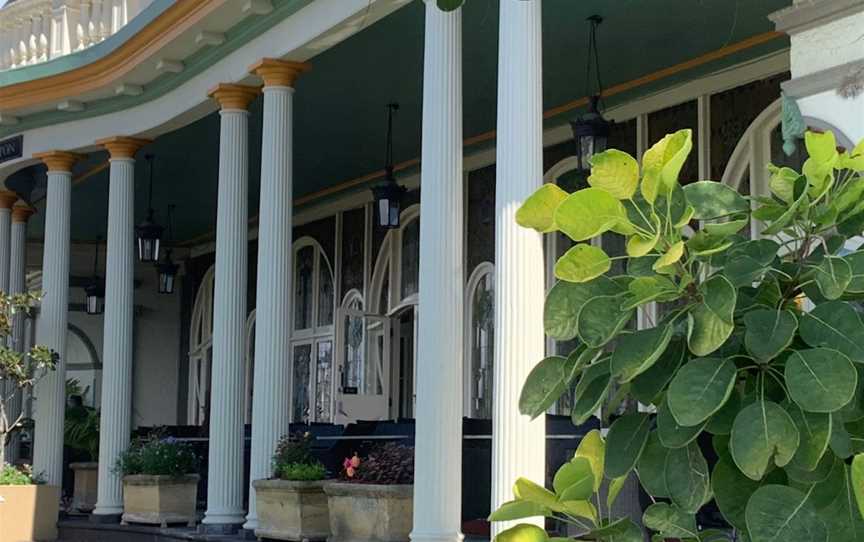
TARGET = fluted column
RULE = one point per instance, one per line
(7, 199)
(50, 392)
(225, 470)
(116, 407)
(438, 450)
(17, 284)
(518, 444)
(273, 290)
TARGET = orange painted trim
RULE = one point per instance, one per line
(231, 96)
(122, 146)
(21, 212)
(168, 26)
(59, 161)
(279, 73)
(7, 199)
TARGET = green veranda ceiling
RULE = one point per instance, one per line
(339, 106)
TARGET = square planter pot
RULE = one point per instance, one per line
(85, 491)
(29, 513)
(289, 510)
(159, 500)
(369, 512)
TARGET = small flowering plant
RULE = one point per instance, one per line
(294, 460)
(387, 464)
(155, 455)
(350, 465)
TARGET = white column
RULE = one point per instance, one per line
(50, 392)
(106, 26)
(7, 199)
(17, 285)
(438, 450)
(225, 470)
(518, 445)
(116, 407)
(35, 30)
(273, 298)
(95, 24)
(83, 26)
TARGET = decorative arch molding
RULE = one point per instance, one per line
(388, 265)
(565, 165)
(91, 349)
(200, 344)
(350, 297)
(480, 272)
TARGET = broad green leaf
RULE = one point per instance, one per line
(625, 442)
(856, 263)
(825, 492)
(671, 257)
(620, 530)
(699, 389)
(593, 448)
(582, 263)
(574, 481)
(642, 266)
(713, 200)
(526, 490)
(725, 229)
(842, 516)
(590, 391)
(732, 490)
(704, 244)
(579, 509)
(778, 513)
(853, 411)
(835, 324)
(794, 208)
(814, 430)
(782, 182)
(636, 352)
(670, 521)
(615, 487)
(710, 323)
(601, 319)
(721, 421)
(849, 196)
(537, 212)
(832, 276)
(566, 299)
(820, 379)
(763, 432)
(841, 441)
(523, 532)
(673, 207)
(768, 332)
(588, 213)
(819, 474)
(857, 474)
(652, 465)
(662, 163)
(513, 510)
(745, 263)
(687, 477)
(646, 289)
(546, 382)
(616, 172)
(671, 433)
(648, 385)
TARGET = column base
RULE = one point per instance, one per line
(220, 525)
(251, 524)
(105, 517)
(436, 537)
(248, 534)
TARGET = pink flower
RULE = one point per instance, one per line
(355, 461)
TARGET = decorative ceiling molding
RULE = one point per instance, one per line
(824, 80)
(809, 14)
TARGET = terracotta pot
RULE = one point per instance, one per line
(29, 513)
(159, 500)
(369, 512)
(86, 486)
(290, 510)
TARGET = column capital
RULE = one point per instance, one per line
(231, 96)
(61, 161)
(21, 212)
(7, 199)
(122, 146)
(279, 73)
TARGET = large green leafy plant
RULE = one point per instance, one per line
(759, 343)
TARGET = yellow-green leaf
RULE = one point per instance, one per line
(538, 210)
(854, 159)
(858, 481)
(616, 172)
(523, 533)
(593, 449)
(673, 255)
(615, 487)
(782, 182)
(662, 163)
(588, 213)
(513, 510)
(579, 509)
(821, 146)
(582, 263)
(638, 246)
(526, 490)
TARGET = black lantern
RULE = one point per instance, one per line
(591, 130)
(149, 232)
(388, 194)
(167, 269)
(94, 301)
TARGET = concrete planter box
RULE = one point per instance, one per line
(29, 513)
(159, 500)
(289, 510)
(86, 482)
(370, 512)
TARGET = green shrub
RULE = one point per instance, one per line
(293, 459)
(302, 472)
(158, 456)
(14, 476)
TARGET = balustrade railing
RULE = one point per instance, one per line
(34, 31)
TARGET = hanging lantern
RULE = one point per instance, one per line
(388, 194)
(149, 232)
(591, 130)
(167, 269)
(94, 300)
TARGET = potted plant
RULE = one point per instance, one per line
(82, 438)
(375, 498)
(292, 505)
(758, 347)
(27, 507)
(160, 484)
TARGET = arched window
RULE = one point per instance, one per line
(479, 341)
(250, 366)
(312, 334)
(201, 351)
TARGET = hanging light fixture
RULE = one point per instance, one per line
(388, 194)
(149, 232)
(591, 130)
(167, 269)
(94, 301)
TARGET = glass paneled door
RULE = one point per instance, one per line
(363, 347)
